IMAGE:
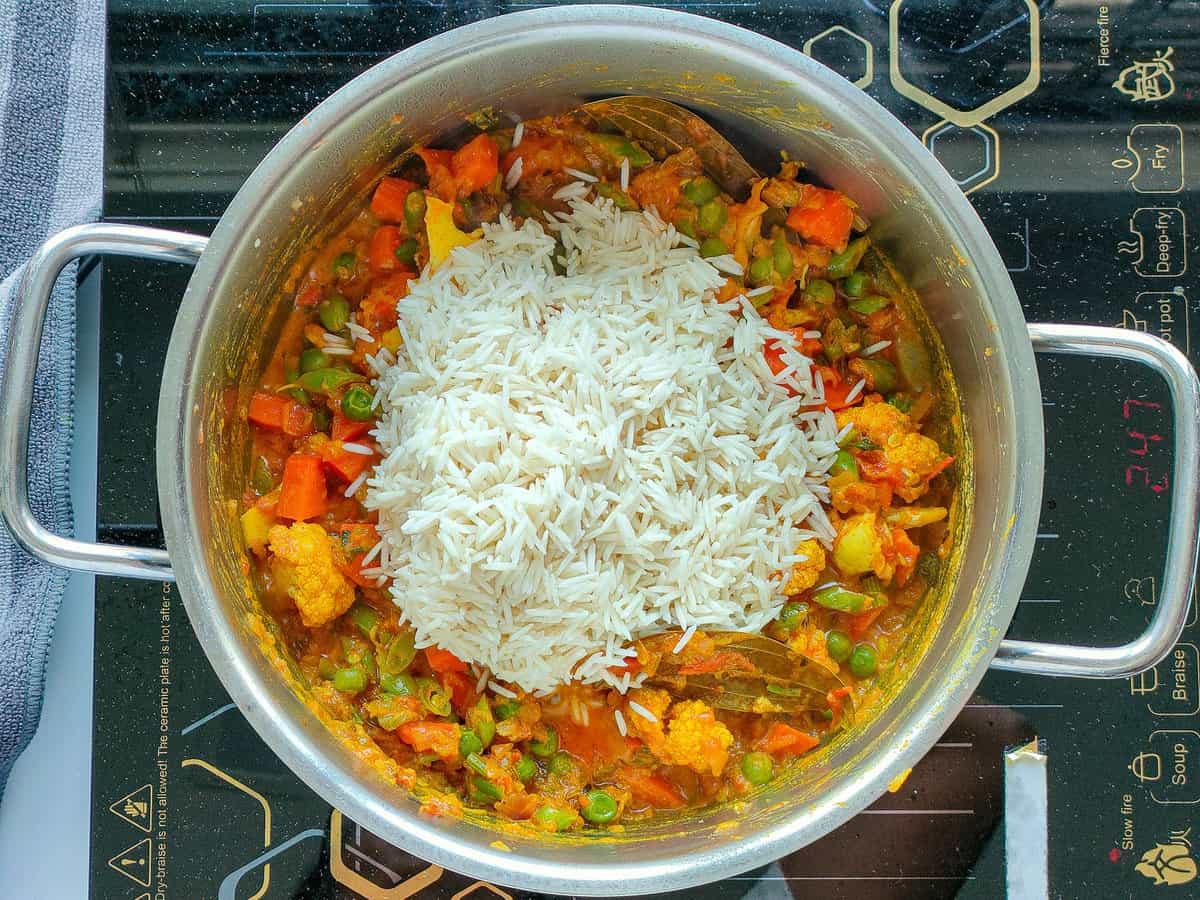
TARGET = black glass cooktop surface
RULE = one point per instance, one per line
(1077, 147)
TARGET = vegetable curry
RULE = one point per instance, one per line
(587, 756)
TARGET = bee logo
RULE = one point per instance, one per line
(1170, 863)
(1148, 82)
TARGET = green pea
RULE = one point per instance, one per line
(334, 313)
(479, 720)
(506, 709)
(364, 617)
(855, 284)
(837, 598)
(350, 681)
(844, 462)
(712, 217)
(700, 190)
(402, 684)
(470, 744)
(344, 264)
(760, 270)
(551, 818)
(546, 746)
(863, 661)
(686, 226)
(868, 305)
(819, 291)
(560, 763)
(261, 478)
(757, 767)
(713, 247)
(356, 404)
(600, 809)
(792, 615)
(433, 697)
(842, 264)
(407, 251)
(484, 791)
(414, 210)
(326, 381)
(314, 358)
(526, 768)
(322, 418)
(781, 255)
(474, 761)
(839, 645)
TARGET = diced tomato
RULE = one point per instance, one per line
(858, 625)
(823, 217)
(280, 413)
(342, 462)
(461, 688)
(783, 738)
(651, 789)
(718, 662)
(835, 699)
(441, 179)
(344, 429)
(387, 203)
(382, 255)
(354, 540)
(302, 491)
(773, 352)
(475, 164)
(836, 389)
(632, 665)
(309, 295)
(906, 553)
(438, 737)
(443, 661)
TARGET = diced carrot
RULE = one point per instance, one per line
(861, 623)
(342, 462)
(439, 737)
(302, 491)
(835, 698)
(344, 429)
(280, 413)
(441, 180)
(837, 390)
(651, 789)
(774, 353)
(461, 688)
(442, 661)
(783, 738)
(382, 255)
(387, 203)
(475, 164)
(633, 665)
(309, 295)
(823, 217)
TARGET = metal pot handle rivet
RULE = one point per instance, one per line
(16, 393)
(1170, 611)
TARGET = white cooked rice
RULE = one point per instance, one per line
(572, 462)
(518, 133)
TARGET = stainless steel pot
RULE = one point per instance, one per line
(762, 93)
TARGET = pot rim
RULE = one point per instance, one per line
(177, 455)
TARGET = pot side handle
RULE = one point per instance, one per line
(16, 393)
(1170, 612)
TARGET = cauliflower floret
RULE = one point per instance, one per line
(917, 458)
(656, 701)
(696, 739)
(304, 562)
(876, 420)
(805, 574)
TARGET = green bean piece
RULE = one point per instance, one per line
(863, 661)
(700, 190)
(261, 478)
(334, 313)
(619, 147)
(781, 256)
(819, 291)
(400, 653)
(757, 767)
(526, 768)
(315, 358)
(344, 265)
(686, 226)
(357, 403)
(392, 721)
(760, 270)
(414, 211)
(902, 402)
(560, 763)
(774, 217)
(855, 284)
(350, 681)
(484, 791)
(547, 746)
(364, 617)
(600, 808)
(402, 684)
(407, 251)
(473, 761)
(326, 381)
(882, 372)
(291, 372)
(713, 247)
(616, 195)
(552, 819)
(792, 615)
(326, 668)
(842, 264)
(433, 697)
(469, 744)
(838, 645)
(712, 217)
(506, 709)
(868, 305)
(844, 462)
(838, 598)
(479, 719)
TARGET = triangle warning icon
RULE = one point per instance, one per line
(135, 807)
(134, 862)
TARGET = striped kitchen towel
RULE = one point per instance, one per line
(51, 170)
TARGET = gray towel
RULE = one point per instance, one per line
(51, 173)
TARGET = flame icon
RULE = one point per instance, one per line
(1131, 247)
